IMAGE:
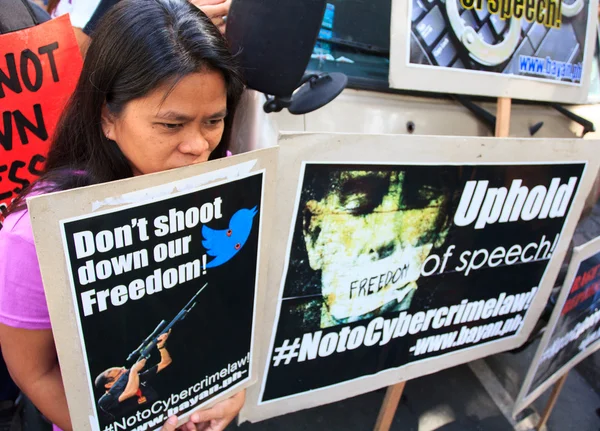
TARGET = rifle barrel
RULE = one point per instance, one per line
(163, 328)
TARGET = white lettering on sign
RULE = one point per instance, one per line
(488, 205)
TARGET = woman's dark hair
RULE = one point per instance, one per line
(138, 45)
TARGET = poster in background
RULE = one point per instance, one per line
(526, 49)
(39, 68)
(574, 328)
(162, 289)
(436, 252)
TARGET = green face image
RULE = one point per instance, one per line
(369, 235)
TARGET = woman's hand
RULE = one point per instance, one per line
(170, 424)
(216, 10)
(217, 417)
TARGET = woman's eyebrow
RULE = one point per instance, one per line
(222, 113)
(173, 116)
(178, 116)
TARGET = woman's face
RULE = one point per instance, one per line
(157, 133)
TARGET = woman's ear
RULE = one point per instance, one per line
(108, 123)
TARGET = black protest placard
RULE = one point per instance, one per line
(576, 332)
(165, 296)
(389, 265)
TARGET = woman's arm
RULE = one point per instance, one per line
(31, 359)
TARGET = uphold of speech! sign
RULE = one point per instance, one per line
(152, 289)
(433, 253)
(574, 329)
(526, 49)
(39, 68)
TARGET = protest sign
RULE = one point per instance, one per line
(573, 332)
(39, 68)
(408, 255)
(525, 49)
(152, 285)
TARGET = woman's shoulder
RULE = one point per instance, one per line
(22, 298)
(18, 225)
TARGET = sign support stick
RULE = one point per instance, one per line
(552, 401)
(503, 117)
(389, 406)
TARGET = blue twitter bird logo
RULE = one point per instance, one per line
(224, 244)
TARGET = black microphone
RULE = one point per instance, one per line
(273, 41)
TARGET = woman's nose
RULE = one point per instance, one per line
(194, 144)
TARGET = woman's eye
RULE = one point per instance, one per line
(215, 122)
(171, 126)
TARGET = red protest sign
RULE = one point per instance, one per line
(39, 68)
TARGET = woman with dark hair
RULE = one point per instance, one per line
(158, 91)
